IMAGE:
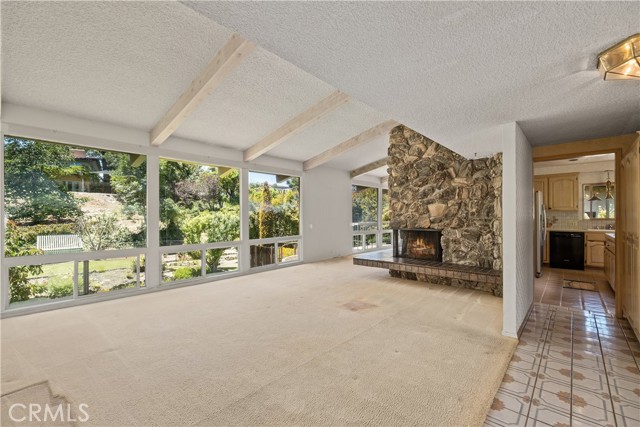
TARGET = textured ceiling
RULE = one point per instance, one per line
(344, 123)
(455, 70)
(119, 62)
(262, 94)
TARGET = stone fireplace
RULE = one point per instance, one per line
(433, 188)
(417, 243)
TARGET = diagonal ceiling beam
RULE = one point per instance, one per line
(295, 125)
(349, 144)
(368, 168)
(225, 61)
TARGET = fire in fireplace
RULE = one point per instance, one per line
(417, 243)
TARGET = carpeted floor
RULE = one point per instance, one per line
(319, 344)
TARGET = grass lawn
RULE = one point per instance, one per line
(50, 270)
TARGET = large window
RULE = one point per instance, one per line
(370, 218)
(386, 219)
(274, 217)
(76, 222)
(199, 204)
(63, 199)
(364, 217)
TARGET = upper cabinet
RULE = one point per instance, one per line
(563, 192)
(560, 192)
(542, 184)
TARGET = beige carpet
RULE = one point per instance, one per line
(322, 344)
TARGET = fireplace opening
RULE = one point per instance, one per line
(417, 243)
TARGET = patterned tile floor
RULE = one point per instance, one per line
(572, 367)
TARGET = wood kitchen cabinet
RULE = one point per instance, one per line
(542, 184)
(563, 192)
(610, 261)
(629, 235)
(594, 249)
(559, 192)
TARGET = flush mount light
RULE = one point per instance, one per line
(621, 61)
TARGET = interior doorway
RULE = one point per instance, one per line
(579, 202)
(611, 146)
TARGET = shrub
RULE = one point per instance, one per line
(61, 290)
(16, 245)
(39, 290)
(31, 232)
(186, 273)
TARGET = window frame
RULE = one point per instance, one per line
(152, 251)
(380, 230)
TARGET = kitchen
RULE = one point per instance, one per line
(577, 232)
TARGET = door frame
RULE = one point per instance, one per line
(612, 144)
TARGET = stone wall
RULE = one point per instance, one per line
(431, 186)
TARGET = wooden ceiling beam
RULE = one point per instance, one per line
(224, 63)
(295, 125)
(349, 144)
(368, 168)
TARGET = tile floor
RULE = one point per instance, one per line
(572, 367)
(548, 290)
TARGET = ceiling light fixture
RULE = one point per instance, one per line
(621, 61)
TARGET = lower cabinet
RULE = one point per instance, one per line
(594, 250)
(610, 268)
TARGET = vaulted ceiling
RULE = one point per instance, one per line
(452, 71)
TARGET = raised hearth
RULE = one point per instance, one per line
(443, 273)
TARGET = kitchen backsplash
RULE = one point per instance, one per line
(568, 221)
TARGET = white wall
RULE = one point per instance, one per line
(517, 223)
(326, 213)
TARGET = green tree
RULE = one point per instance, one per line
(266, 214)
(129, 182)
(365, 204)
(31, 191)
(172, 211)
(210, 227)
(230, 186)
(202, 191)
(99, 232)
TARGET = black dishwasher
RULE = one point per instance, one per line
(566, 250)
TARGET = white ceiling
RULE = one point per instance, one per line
(263, 93)
(455, 70)
(452, 71)
(124, 63)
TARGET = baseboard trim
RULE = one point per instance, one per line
(524, 322)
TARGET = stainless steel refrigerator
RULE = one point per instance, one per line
(541, 230)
